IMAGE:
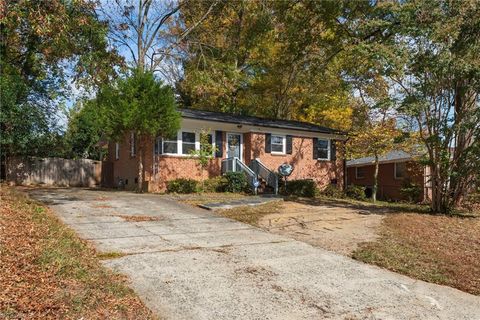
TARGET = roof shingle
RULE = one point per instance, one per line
(256, 121)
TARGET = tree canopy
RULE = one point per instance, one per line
(44, 47)
(141, 105)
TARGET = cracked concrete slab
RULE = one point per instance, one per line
(190, 264)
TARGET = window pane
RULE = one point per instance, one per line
(400, 170)
(188, 137)
(277, 139)
(322, 144)
(277, 148)
(169, 147)
(360, 172)
(322, 153)
(187, 148)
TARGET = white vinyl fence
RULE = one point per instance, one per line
(54, 172)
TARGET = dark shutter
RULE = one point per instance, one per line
(289, 144)
(219, 144)
(268, 143)
(315, 148)
(333, 150)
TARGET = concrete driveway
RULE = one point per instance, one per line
(187, 263)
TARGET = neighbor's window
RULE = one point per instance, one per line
(359, 172)
(323, 149)
(132, 144)
(278, 144)
(117, 150)
(400, 170)
(170, 145)
(188, 142)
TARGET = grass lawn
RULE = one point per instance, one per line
(47, 272)
(439, 249)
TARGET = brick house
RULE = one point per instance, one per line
(396, 170)
(253, 145)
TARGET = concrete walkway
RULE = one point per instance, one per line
(191, 264)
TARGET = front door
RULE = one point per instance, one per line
(234, 145)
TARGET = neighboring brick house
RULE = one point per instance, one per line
(397, 169)
(250, 139)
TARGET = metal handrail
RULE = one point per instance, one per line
(263, 172)
(234, 164)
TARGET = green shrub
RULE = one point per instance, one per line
(356, 192)
(301, 188)
(333, 191)
(217, 184)
(236, 182)
(411, 191)
(182, 186)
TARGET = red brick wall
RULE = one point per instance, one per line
(173, 167)
(126, 167)
(388, 186)
(305, 167)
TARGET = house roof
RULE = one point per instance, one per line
(392, 156)
(256, 121)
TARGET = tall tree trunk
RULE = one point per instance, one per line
(140, 165)
(375, 180)
(437, 190)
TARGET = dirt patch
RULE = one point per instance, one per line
(47, 272)
(249, 214)
(206, 197)
(438, 249)
(334, 228)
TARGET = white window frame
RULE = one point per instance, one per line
(284, 143)
(178, 146)
(117, 151)
(196, 142)
(179, 142)
(132, 144)
(395, 170)
(356, 173)
(328, 149)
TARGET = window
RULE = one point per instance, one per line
(132, 144)
(188, 142)
(323, 149)
(359, 172)
(158, 145)
(117, 150)
(182, 143)
(278, 144)
(400, 170)
(170, 145)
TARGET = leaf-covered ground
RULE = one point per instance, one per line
(438, 249)
(47, 272)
